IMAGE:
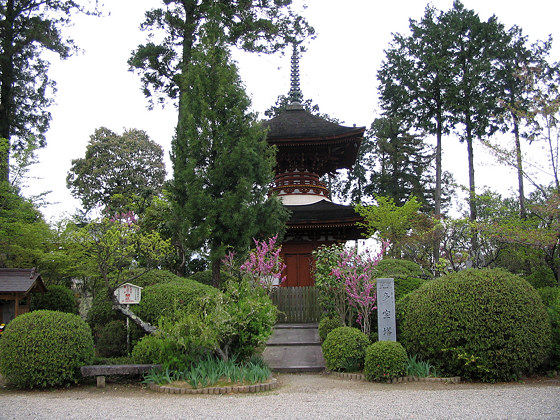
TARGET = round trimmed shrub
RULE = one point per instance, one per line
(487, 325)
(326, 325)
(385, 360)
(111, 341)
(45, 349)
(166, 298)
(56, 298)
(153, 277)
(344, 349)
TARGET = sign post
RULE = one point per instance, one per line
(128, 294)
(386, 320)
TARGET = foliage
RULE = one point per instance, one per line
(549, 294)
(332, 294)
(222, 164)
(344, 349)
(205, 277)
(157, 348)
(385, 360)
(554, 315)
(235, 323)
(24, 235)
(397, 268)
(116, 245)
(326, 325)
(56, 298)
(101, 312)
(29, 31)
(263, 26)
(111, 340)
(355, 271)
(43, 349)
(211, 371)
(419, 368)
(263, 267)
(153, 277)
(479, 324)
(170, 298)
(118, 172)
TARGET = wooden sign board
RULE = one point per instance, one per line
(128, 294)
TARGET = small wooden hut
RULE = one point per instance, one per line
(16, 286)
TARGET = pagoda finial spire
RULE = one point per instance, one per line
(296, 96)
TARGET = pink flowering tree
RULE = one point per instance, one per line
(356, 272)
(263, 267)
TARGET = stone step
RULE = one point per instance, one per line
(295, 358)
(294, 337)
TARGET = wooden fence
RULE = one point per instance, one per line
(297, 304)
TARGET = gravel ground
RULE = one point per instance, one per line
(304, 396)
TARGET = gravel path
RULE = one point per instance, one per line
(305, 396)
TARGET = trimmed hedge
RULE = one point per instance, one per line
(487, 325)
(56, 298)
(43, 349)
(166, 298)
(153, 277)
(385, 360)
(326, 325)
(344, 349)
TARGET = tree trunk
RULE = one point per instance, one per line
(519, 163)
(216, 267)
(6, 94)
(146, 326)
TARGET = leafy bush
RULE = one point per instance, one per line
(159, 349)
(344, 349)
(326, 325)
(549, 294)
(480, 324)
(45, 349)
(101, 311)
(111, 341)
(385, 360)
(390, 267)
(169, 298)
(153, 277)
(56, 298)
(554, 315)
(205, 277)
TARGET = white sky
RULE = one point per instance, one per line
(338, 72)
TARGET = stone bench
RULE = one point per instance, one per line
(100, 371)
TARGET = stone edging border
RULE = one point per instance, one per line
(361, 377)
(239, 389)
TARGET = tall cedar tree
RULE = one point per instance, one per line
(404, 162)
(28, 28)
(222, 164)
(253, 25)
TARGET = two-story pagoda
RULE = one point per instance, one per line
(309, 147)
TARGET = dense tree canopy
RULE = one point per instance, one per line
(118, 172)
(28, 29)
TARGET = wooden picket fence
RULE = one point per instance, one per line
(297, 304)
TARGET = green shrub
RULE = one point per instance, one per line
(205, 277)
(159, 349)
(344, 349)
(326, 325)
(480, 324)
(543, 277)
(385, 360)
(549, 294)
(101, 311)
(554, 316)
(56, 298)
(169, 298)
(153, 277)
(390, 267)
(111, 341)
(45, 349)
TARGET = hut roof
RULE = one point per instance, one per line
(20, 280)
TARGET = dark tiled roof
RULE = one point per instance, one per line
(19, 280)
(300, 124)
(323, 212)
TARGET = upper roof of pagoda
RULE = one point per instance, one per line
(296, 125)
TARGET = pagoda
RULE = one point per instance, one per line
(308, 148)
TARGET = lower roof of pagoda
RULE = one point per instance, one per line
(325, 215)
